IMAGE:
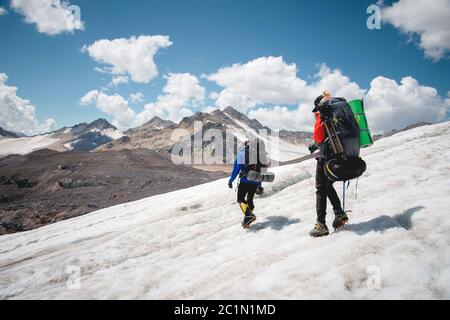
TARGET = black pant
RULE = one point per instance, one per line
(324, 190)
(246, 193)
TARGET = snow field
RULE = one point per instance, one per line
(24, 145)
(189, 244)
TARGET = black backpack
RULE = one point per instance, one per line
(342, 146)
(254, 148)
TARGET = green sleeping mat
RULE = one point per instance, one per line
(357, 107)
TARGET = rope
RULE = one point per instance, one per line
(343, 196)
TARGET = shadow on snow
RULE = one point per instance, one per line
(275, 223)
(384, 222)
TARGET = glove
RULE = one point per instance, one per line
(313, 147)
(230, 185)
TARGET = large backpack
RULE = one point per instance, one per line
(255, 156)
(343, 141)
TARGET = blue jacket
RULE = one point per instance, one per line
(239, 165)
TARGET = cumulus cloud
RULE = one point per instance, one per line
(114, 105)
(118, 80)
(181, 92)
(263, 80)
(209, 109)
(429, 20)
(281, 117)
(133, 57)
(390, 105)
(17, 114)
(251, 86)
(270, 80)
(335, 82)
(50, 17)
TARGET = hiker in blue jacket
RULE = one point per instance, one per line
(247, 188)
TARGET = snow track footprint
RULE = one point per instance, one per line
(191, 208)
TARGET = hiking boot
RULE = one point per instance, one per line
(340, 220)
(320, 230)
(248, 220)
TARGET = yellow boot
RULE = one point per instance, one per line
(249, 217)
(244, 207)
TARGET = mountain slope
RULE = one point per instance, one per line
(188, 243)
(47, 186)
(7, 134)
(81, 137)
(156, 123)
(85, 136)
(156, 134)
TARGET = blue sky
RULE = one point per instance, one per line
(53, 73)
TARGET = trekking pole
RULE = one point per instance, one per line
(337, 141)
(334, 139)
(330, 136)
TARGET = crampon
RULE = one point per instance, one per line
(340, 221)
(248, 220)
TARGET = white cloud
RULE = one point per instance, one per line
(263, 80)
(278, 117)
(335, 82)
(118, 80)
(3, 11)
(427, 19)
(270, 80)
(241, 101)
(390, 105)
(51, 17)
(114, 105)
(17, 114)
(209, 109)
(181, 92)
(251, 86)
(137, 97)
(133, 57)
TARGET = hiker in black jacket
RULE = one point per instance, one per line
(324, 187)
